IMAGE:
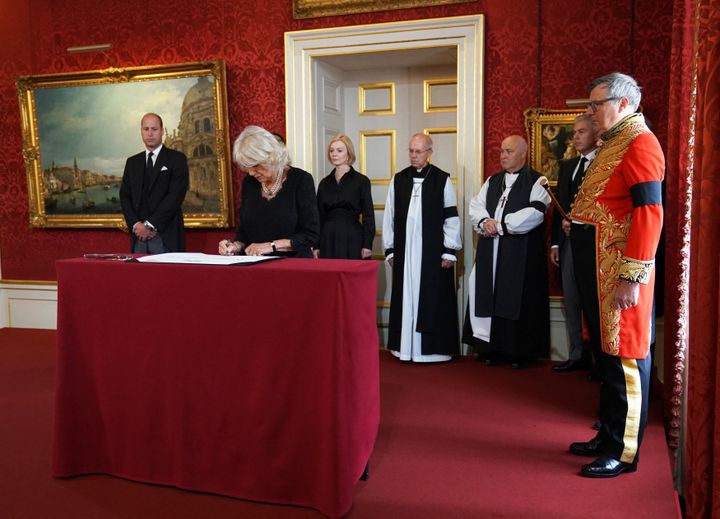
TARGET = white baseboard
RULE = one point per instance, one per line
(28, 304)
(559, 339)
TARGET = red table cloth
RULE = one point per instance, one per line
(259, 382)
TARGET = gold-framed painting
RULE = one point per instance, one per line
(317, 8)
(549, 134)
(79, 128)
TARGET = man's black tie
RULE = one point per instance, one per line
(575, 184)
(148, 172)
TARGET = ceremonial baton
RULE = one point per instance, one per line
(544, 183)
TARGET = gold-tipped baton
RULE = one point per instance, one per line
(544, 183)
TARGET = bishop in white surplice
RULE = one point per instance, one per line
(508, 301)
(421, 234)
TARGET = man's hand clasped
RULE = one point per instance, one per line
(142, 232)
(489, 228)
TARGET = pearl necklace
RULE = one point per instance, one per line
(276, 185)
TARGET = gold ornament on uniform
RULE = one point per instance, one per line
(610, 253)
(612, 233)
(636, 271)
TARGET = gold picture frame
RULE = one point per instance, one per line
(549, 134)
(79, 128)
(317, 8)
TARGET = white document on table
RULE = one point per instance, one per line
(202, 259)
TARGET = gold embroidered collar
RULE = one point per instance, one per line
(636, 118)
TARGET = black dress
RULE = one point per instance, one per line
(291, 214)
(342, 233)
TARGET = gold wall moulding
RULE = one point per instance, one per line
(79, 128)
(549, 134)
(376, 98)
(317, 8)
(448, 130)
(429, 85)
(389, 137)
(29, 282)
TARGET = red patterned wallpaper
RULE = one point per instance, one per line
(579, 42)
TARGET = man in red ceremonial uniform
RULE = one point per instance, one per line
(617, 219)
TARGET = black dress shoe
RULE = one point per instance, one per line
(570, 365)
(591, 448)
(492, 360)
(606, 467)
(597, 425)
(519, 364)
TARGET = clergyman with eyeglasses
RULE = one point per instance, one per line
(617, 218)
(421, 234)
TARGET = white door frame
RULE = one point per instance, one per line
(466, 33)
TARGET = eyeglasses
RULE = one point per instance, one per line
(593, 105)
(417, 152)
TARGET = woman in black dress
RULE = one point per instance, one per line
(278, 212)
(343, 198)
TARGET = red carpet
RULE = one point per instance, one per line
(458, 440)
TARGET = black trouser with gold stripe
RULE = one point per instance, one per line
(623, 405)
(625, 382)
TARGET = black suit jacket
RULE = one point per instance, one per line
(562, 194)
(161, 202)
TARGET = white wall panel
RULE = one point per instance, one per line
(28, 305)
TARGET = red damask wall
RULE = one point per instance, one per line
(538, 53)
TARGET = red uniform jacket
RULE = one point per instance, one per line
(621, 197)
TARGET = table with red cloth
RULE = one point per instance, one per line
(256, 381)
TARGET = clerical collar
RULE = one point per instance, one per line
(422, 173)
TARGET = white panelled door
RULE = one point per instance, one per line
(383, 108)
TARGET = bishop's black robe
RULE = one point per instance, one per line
(436, 316)
(511, 285)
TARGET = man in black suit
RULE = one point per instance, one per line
(570, 177)
(152, 192)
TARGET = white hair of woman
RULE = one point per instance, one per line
(255, 146)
